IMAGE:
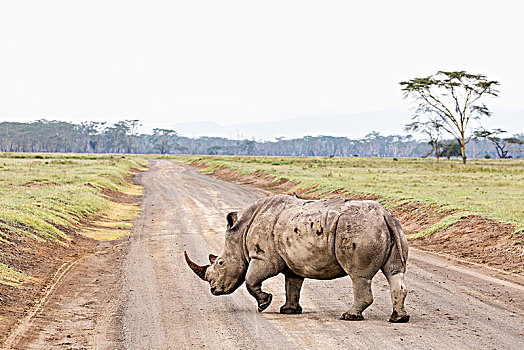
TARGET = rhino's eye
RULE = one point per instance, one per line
(221, 262)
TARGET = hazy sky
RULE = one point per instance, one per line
(168, 62)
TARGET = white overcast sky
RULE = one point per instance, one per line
(168, 62)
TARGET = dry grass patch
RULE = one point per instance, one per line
(117, 222)
(135, 190)
(13, 278)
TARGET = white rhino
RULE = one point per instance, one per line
(320, 239)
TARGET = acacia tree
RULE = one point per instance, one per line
(132, 125)
(454, 98)
(450, 149)
(164, 139)
(501, 144)
(432, 127)
(517, 142)
(89, 133)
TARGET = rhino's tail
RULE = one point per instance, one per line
(396, 230)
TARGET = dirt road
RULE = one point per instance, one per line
(139, 293)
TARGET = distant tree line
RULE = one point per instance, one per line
(122, 137)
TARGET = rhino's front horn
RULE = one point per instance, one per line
(200, 271)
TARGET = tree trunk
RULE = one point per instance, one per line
(436, 150)
(463, 149)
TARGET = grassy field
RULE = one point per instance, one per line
(43, 195)
(493, 188)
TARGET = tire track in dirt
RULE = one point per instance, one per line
(22, 327)
(81, 311)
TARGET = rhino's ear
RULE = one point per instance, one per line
(231, 220)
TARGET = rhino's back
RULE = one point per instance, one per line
(304, 236)
(313, 237)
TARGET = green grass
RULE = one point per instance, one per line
(493, 188)
(41, 195)
(441, 225)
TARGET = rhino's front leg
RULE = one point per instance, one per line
(293, 287)
(257, 272)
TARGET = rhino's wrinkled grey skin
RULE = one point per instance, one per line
(322, 239)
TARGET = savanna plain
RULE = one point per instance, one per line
(91, 252)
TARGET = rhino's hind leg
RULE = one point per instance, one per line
(362, 298)
(293, 286)
(257, 272)
(398, 295)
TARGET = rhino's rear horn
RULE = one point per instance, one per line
(212, 258)
(200, 271)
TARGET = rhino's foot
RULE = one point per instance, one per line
(399, 318)
(351, 317)
(290, 310)
(264, 302)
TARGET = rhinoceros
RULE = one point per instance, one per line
(320, 239)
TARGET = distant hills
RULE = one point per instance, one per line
(342, 125)
(353, 126)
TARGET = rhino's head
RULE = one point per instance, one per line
(227, 271)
